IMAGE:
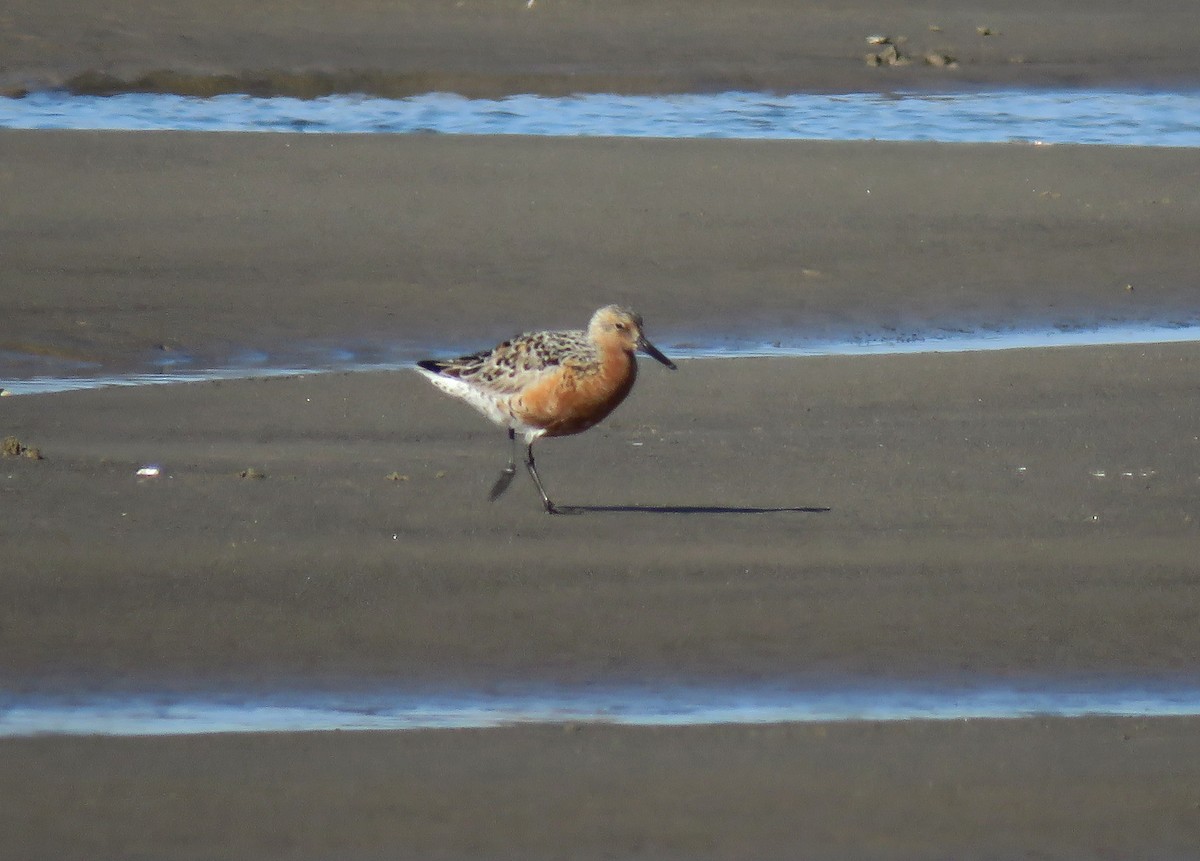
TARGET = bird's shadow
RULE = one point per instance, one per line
(685, 509)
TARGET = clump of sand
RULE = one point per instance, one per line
(13, 447)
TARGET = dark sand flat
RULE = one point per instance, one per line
(1077, 789)
(497, 47)
(126, 247)
(1026, 512)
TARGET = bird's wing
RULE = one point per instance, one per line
(517, 363)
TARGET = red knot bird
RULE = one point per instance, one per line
(549, 383)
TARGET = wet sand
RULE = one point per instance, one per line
(1017, 516)
(967, 532)
(128, 248)
(496, 47)
(982, 789)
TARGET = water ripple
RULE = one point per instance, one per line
(672, 705)
(360, 357)
(1136, 118)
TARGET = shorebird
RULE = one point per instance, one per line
(548, 383)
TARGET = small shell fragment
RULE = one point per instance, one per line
(149, 471)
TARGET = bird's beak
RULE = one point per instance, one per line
(652, 351)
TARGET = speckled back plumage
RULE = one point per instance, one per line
(513, 364)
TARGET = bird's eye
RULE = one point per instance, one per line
(621, 326)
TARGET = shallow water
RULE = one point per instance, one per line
(28, 375)
(1128, 117)
(164, 714)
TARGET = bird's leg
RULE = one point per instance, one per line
(550, 507)
(506, 476)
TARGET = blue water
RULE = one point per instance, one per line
(1131, 117)
(678, 705)
(20, 375)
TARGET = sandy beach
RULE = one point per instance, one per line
(498, 47)
(966, 533)
(1013, 515)
(124, 247)
(992, 789)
